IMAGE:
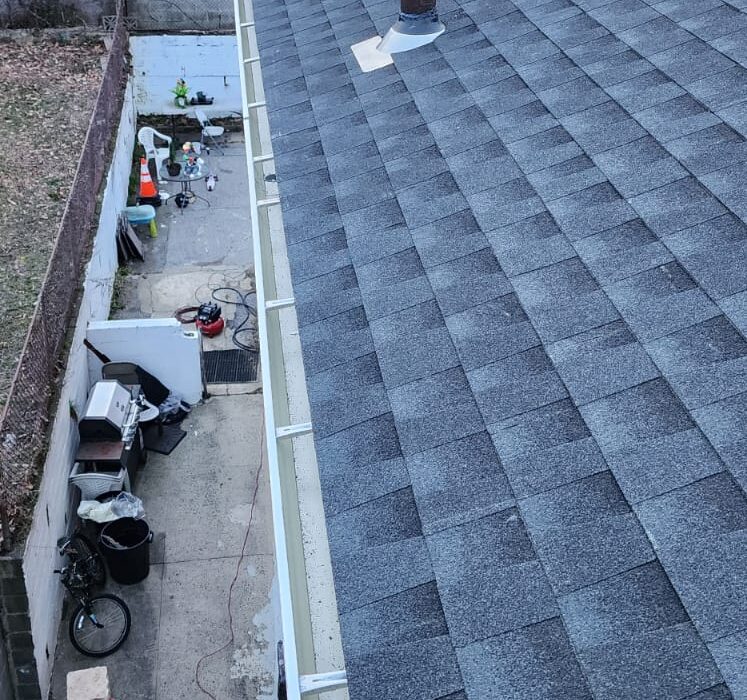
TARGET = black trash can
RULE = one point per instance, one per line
(130, 562)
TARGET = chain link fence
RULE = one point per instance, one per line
(28, 410)
(214, 16)
(53, 14)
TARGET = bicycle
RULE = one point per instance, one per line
(99, 624)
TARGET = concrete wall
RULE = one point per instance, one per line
(52, 514)
(207, 63)
(161, 346)
(184, 15)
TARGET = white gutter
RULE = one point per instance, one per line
(296, 684)
(292, 675)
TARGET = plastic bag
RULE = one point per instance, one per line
(98, 512)
(173, 409)
(125, 505)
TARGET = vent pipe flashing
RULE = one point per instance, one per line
(417, 25)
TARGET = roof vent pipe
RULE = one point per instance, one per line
(417, 25)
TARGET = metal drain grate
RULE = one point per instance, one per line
(230, 366)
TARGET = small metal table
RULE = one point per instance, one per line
(186, 179)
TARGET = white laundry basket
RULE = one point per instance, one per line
(92, 484)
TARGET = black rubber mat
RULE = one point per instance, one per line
(230, 366)
(164, 440)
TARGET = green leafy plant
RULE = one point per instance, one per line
(180, 90)
(118, 290)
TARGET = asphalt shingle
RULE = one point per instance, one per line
(639, 166)
(536, 660)
(482, 167)
(458, 482)
(691, 61)
(516, 384)
(446, 239)
(394, 283)
(622, 66)
(517, 257)
(645, 91)
(603, 127)
(622, 251)
(435, 410)
(544, 149)
(731, 658)
(526, 120)
(491, 331)
(585, 532)
(490, 560)
(730, 186)
(464, 282)
(529, 244)
(654, 465)
(506, 204)
(704, 363)
(660, 301)
(649, 410)
(412, 344)
(634, 637)
(710, 149)
(700, 532)
(723, 423)
(678, 205)
(678, 117)
(601, 361)
(657, 35)
(563, 300)
(393, 554)
(550, 72)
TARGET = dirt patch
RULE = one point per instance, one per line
(48, 88)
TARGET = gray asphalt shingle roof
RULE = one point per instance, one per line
(518, 257)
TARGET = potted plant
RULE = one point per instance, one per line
(181, 90)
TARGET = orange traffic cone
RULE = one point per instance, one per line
(147, 188)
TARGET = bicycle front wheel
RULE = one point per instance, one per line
(102, 628)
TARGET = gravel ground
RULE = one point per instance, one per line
(47, 91)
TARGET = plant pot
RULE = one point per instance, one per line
(181, 102)
(173, 169)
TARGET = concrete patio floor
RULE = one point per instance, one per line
(198, 500)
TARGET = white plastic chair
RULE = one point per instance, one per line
(209, 131)
(146, 138)
(92, 484)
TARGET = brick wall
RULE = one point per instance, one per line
(6, 691)
(18, 676)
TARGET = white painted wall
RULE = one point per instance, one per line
(207, 63)
(52, 511)
(161, 346)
